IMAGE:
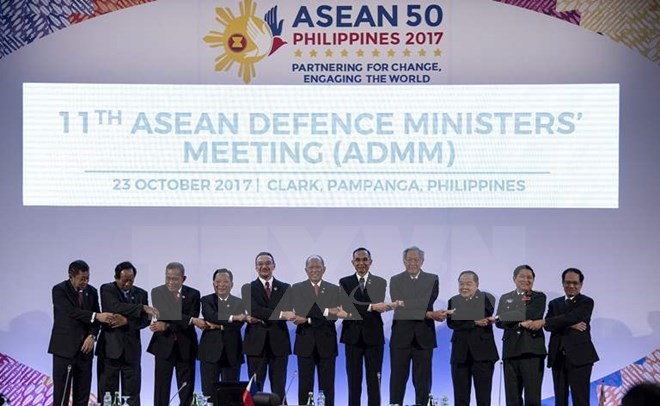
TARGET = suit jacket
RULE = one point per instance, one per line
(512, 309)
(71, 323)
(177, 314)
(273, 328)
(228, 338)
(467, 336)
(319, 332)
(409, 321)
(365, 324)
(113, 342)
(576, 344)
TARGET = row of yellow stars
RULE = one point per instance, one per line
(360, 53)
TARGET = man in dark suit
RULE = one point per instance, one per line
(571, 353)
(520, 314)
(119, 348)
(316, 303)
(362, 334)
(76, 318)
(473, 351)
(174, 342)
(413, 329)
(267, 341)
(220, 348)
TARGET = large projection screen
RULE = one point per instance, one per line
(557, 169)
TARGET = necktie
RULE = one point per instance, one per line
(361, 284)
(316, 289)
(81, 298)
(127, 296)
(268, 291)
(175, 294)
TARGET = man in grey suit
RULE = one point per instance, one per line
(119, 348)
(413, 330)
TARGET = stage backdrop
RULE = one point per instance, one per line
(488, 134)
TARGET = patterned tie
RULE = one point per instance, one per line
(316, 289)
(81, 298)
(268, 291)
(362, 284)
(127, 296)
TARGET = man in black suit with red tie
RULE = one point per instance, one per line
(571, 353)
(317, 306)
(267, 341)
(174, 342)
(76, 318)
(119, 348)
(413, 329)
(473, 350)
(520, 314)
(362, 333)
(220, 348)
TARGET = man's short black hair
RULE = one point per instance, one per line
(124, 265)
(77, 267)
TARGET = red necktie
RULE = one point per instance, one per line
(316, 289)
(81, 298)
(268, 291)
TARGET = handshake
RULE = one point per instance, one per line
(114, 320)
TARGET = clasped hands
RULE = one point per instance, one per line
(439, 315)
(535, 325)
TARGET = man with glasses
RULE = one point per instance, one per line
(413, 330)
(174, 342)
(571, 353)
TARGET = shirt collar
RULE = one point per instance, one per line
(366, 277)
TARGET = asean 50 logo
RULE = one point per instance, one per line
(246, 38)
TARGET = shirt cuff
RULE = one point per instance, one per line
(93, 317)
(326, 312)
(369, 308)
(231, 318)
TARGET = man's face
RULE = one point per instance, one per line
(265, 266)
(572, 284)
(126, 279)
(174, 279)
(79, 281)
(467, 286)
(413, 262)
(222, 284)
(524, 280)
(315, 270)
(361, 262)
